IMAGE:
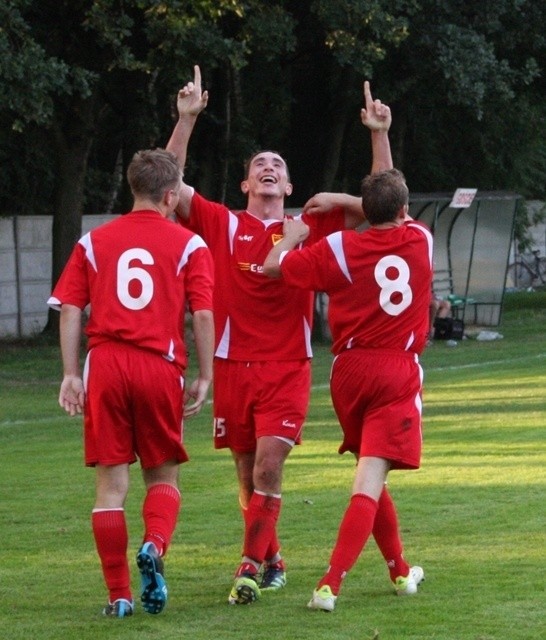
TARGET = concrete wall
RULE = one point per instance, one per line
(25, 269)
(25, 272)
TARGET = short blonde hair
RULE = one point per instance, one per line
(152, 172)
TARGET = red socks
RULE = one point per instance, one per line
(111, 539)
(354, 531)
(274, 545)
(260, 526)
(273, 550)
(160, 513)
(364, 516)
(387, 536)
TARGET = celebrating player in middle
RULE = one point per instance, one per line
(262, 371)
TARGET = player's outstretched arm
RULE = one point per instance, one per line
(325, 201)
(377, 117)
(196, 394)
(191, 100)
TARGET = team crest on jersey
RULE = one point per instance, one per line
(276, 238)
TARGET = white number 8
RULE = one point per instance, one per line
(391, 286)
(126, 274)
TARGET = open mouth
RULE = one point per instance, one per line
(268, 180)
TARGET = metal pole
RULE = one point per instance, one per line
(18, 283)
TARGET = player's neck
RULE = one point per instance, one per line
(388, 225)
(400, 219)
(266, 208)
(142, 204)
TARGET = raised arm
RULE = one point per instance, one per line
(191, 100)
(377, 117)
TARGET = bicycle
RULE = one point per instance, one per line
(527, 272)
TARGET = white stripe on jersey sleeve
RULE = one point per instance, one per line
(428, 236)
(87, 244)
(54, 303)
(336, 244)
(196, 242)
(233, 224)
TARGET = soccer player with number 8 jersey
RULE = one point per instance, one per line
(378, 282)
(139, 273)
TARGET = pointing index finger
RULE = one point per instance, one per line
(367, 94)
(197, 76)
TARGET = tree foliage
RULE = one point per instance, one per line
(467, 77)
(85, 83)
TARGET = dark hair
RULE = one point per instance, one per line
(152, 172)
(383, 195)
(248, 162)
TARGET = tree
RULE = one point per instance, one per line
(84, 84)
(463, 86)
(339, 44)
(89, 64)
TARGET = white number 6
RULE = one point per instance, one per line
(396, 285)
(126, 274)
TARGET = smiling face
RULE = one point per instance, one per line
(267, 176)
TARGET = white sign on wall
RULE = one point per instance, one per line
(462, 198)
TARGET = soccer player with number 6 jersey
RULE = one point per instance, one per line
(139, 273)
(378, 282)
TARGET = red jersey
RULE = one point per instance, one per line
(139, 272)
(378, 283)
(256, 318)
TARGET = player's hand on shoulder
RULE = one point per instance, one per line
(295, 231)
(319, 203)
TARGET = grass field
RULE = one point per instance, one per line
(473, 516)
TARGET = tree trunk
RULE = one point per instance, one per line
(397, 135)
(339, 116)
(73, 137)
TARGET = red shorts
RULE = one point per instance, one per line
(377, 398)
(255, 399)
(134, 405)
